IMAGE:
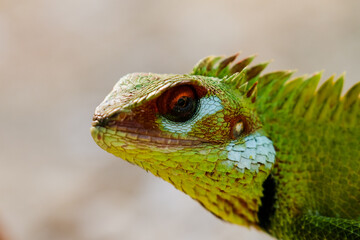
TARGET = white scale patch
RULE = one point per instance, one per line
(254, 151)
(207, 106)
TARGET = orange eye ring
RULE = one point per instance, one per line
(178, 104)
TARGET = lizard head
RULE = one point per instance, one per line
(199, 131)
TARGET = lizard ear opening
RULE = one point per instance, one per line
(178, 104)
(239, 127)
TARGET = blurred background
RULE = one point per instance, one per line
(58, 60)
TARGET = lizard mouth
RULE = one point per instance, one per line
(139, 134)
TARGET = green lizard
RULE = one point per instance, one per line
(255, 150)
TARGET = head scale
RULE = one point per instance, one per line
(200, 132)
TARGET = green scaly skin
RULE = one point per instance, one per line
(222, 156)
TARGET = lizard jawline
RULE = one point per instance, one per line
(147, 136)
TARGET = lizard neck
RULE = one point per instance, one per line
(227, 179)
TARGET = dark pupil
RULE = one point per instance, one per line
(183, 110)
(183, 106)
(182, 102)
(178, 104)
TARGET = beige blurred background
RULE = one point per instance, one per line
(58, 60)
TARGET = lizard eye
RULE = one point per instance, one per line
(178, 104)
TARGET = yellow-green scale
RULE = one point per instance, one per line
(324, 181)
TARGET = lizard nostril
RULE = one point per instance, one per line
(99, 121)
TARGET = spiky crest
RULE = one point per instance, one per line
(238, 76)
(276, 92)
